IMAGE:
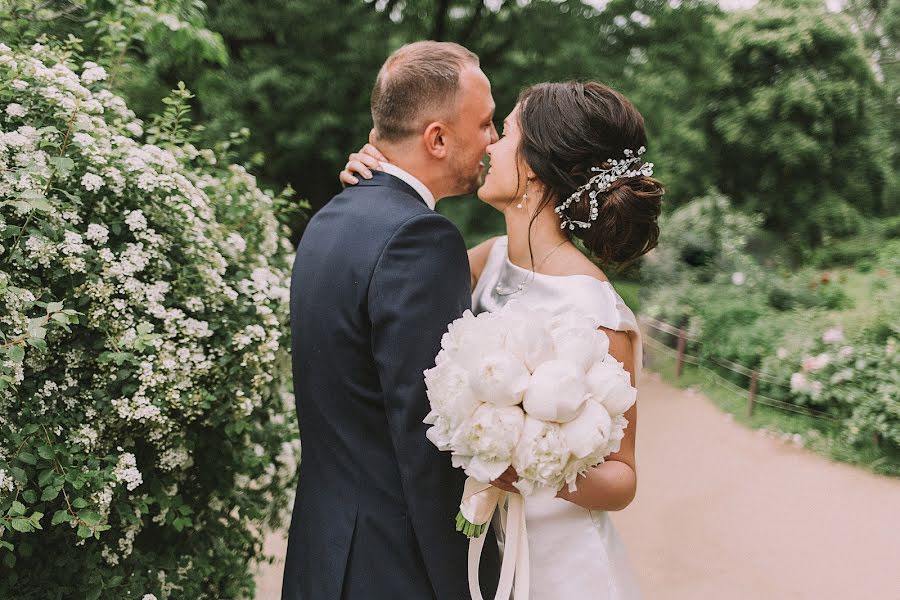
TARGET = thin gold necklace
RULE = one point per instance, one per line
(509, 292)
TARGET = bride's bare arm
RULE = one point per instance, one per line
(478, 257)
(613, 484)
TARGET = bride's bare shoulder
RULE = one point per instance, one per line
(576, 263)
(478, 258)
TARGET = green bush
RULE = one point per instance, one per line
(144, 428)
(857, 383)
(845, 253)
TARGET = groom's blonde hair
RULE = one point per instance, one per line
(416, 85)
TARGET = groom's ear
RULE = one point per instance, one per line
(435, 138)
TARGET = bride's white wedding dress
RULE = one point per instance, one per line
(575, 553)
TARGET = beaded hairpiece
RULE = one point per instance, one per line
(601, 182)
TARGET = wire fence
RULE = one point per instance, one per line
(681, 357)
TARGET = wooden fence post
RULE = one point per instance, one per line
(751, 398)
(682, 343)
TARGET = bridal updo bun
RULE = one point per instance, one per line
(568, 128)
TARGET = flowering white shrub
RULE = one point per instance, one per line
(145, 436)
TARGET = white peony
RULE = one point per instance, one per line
(528, 334)
(489, 437)
(470, 338)
(556, 392)
(589, 431)
(500, 378)
(610, 384)
(452, 402)
(540, 456)
(582, 346)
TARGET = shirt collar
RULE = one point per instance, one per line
(417, 185)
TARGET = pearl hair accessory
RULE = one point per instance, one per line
(619, 169)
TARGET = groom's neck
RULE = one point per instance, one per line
(419, 167)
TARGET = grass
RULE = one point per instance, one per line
(819, 436)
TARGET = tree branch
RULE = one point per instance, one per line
(472, 24)
(439, 32)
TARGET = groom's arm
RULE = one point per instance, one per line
(421, 284)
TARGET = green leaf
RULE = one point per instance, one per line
(9, 560)
(16, 353)
(80, 503)
(29, 496)
(63, 164)
(7, 545)
(61, 516)
(31, 195)
(84, 531)
(46, 452)
(22, 525)
(36, 328)
(90, 517)
(54, 307)
(38, 343)
(50, 494)
(17, 509)
(19, 475)
(46, 478)
(72, 197)
(28, 458)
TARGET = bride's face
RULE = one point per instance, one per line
(505, 180)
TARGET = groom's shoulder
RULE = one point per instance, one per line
(385, 210)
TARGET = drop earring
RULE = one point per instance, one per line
(524, 197)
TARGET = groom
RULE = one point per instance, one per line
(378, 277)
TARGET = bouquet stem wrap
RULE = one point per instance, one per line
(479, 502)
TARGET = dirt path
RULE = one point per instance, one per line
(727, 514)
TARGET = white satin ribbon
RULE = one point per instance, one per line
(480, 500)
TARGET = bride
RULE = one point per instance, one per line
(553, 177)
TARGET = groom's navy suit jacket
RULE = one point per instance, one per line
(378, 277)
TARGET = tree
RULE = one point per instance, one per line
(300, 73)
(790, 120)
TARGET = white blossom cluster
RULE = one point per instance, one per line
(126, 471)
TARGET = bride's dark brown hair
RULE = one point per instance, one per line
(569, 127)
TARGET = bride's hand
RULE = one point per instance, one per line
(360, 163)
(505, 482)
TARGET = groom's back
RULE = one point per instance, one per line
(339, 397)
(377, 278)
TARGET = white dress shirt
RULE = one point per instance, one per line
(414, 183)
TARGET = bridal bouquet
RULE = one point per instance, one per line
(523, 388)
